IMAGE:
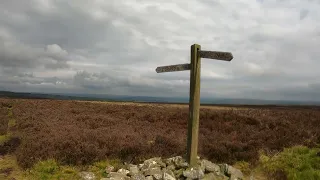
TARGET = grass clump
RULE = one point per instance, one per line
(298, 162)
(12, 123)
(99, 168)
(4, 138)
(244, 166)
(9, 168)
(50, 169)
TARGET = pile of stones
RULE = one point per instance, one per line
(175, 168)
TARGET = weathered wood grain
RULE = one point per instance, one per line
(219, 55)
(171, 68)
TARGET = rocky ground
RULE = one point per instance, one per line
(175, 168)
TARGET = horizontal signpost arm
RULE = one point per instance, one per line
(224, 56)
(171, 68)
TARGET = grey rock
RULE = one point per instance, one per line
(155, 172)
(210, 167)
(202, 166)
(138, 177)
(149, 178)
(168, 161)
(168, 175)
(178, 173)
(149, 164)
(235, 174)
(158, 161)
(87, 175)
(171, 167)
(223, 168)
(123, 171)
(117, 176)
(193, 173)
(178, 161)
(210, 176)
(133, 169)
(213, 176)
(109, 169)
(140, 166)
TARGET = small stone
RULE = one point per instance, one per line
(149, 178)
(140, 166)
(109, 169)
(157, 160)
(148, 164)
(178, 161)
(157, 176)
(168, 175)
(223, 168)
(235, 174)
(171, 167)
(133, 169)
(87, 175)
(138, 177)
(193, 173)
(212, 176)
(117, 176)
(210, 167)
(155, 172)
(123, 171)
(179, 173)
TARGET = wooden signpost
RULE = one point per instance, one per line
(194, 99)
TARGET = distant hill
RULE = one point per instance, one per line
(99, 97)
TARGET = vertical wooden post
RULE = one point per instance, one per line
(194, 105)
(194, 98)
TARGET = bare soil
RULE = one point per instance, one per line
(75, 132)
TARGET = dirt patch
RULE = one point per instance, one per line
(76, 132)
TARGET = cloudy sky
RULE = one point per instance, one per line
(114, 46)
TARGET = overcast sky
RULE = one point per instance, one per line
(114, 46)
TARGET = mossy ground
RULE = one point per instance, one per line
(51, 169)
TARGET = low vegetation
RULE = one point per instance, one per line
(50, 136)
(295, 163)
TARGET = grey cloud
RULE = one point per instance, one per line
(114, 47)
(303, 14)
(102, 82)
(315, 86)
(18, 55)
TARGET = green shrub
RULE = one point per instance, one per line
(298, 162)
(99, 168)
(49, 169)
(4, 138)
(243, 166)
